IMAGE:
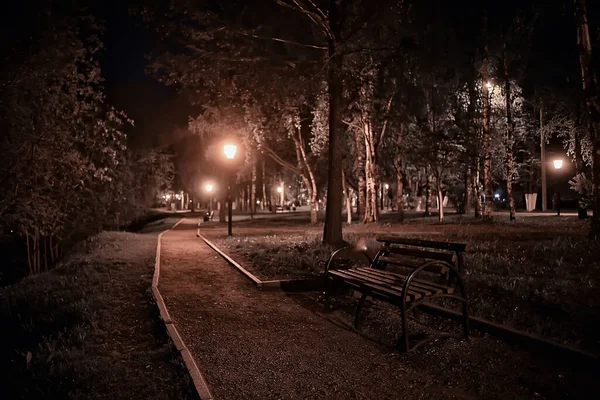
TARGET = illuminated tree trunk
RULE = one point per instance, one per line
(371, 207)
(440, 194)
(487, 155)
(510, 129)
(427, 191)
(264, 187)
(348, 200)
(466, 208)
(399, 176)
(253, 189)
(360, 167)
(589, 82)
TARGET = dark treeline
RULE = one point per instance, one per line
(66, 169)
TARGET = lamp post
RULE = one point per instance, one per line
(557, 165)
(229, 150)
(281, 195)
(209, 189)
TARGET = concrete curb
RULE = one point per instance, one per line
(283, 284)
(199, 382)
(257, 282)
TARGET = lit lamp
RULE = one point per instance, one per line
(229, 150)
(209, 189)
(558, 164)
(280, 191)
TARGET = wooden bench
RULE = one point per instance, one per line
(422, 271)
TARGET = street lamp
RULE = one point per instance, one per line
(281, 195)
(229, 150)
(209, 189)
(558, 164)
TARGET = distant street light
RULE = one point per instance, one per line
(209, 189)
(558, 164)
(229, 150)
(281, 195)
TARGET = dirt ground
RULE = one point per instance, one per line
(272, 345)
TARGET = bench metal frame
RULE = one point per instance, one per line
(455, 281)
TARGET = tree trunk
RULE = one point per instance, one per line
(371, 194)
(253, 190)
(332, 232)
(487, 155)
(427, 191)
(438, 179)
(360, 168)
(399, 176)
(510, 129)
(589, 84)
(466, 207)
(476, 187)
(347, 197)
(264, 187)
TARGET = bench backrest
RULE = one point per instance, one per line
(412, 253)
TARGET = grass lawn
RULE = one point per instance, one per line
(89, 329)
(538, 274)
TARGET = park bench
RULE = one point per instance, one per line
(208, 216)
(407, 273)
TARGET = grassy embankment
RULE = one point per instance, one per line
(89, 329)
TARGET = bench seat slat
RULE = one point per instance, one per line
(390, 280)
(378, 280)
(412, 252)
(361, 284)
(423, 288)
(444, 288)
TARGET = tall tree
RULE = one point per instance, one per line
(589, 83)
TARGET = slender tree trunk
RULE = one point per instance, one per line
(466, 207)
(360, 168)
(589, 82)
(476, 187)
(440, 195)
(510, 129)
(371, 198)
(347, 197)
(400, 176)
(332, 232)
(427, 191)
(29, 258)
(487, 154)
(253, 189)
(264, 187)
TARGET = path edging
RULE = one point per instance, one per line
(199, 382)
(275, 284)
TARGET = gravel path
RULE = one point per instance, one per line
(264, 345)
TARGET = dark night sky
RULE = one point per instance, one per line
(156, 109)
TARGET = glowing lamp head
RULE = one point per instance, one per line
(230, 150)
(279, 189)
(386, 186)
(558, 164)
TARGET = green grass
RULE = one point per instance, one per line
(89, 329)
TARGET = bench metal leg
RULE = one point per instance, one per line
(360, 304)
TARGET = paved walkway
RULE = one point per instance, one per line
(264, 345)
